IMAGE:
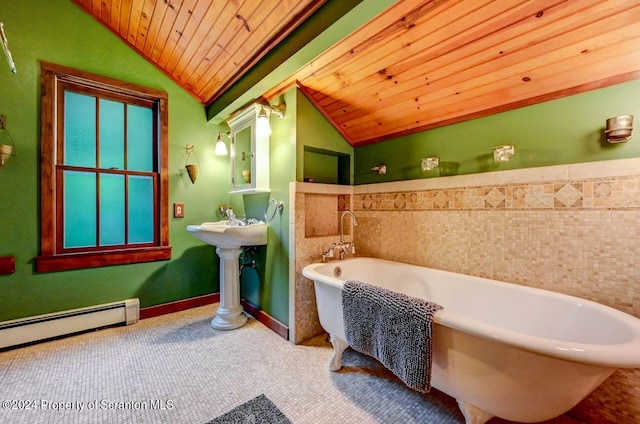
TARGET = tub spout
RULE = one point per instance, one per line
(355, 223)
(344, 246)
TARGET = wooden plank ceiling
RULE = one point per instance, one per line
(418, 65)
(203, 45)
(423, 64)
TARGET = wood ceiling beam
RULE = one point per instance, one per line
(311, 38)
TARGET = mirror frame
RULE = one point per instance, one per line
(259, 155)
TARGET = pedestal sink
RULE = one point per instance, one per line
(229, 240)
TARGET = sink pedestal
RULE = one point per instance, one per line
(229, 315)
(229, 239)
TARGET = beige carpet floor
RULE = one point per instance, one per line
(177, 369)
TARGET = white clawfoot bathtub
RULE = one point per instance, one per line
(499, 349)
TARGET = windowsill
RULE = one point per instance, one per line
(99, 259)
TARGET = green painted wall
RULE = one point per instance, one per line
(60, 32)
(267, 286)
(567, 130)
(315, 132)
(320, 168)
(282, 172)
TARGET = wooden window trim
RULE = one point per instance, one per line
(50, 259)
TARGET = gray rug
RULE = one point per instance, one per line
(259, 410)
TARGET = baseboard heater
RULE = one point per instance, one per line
(42, 327)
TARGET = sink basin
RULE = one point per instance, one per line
(223, 235)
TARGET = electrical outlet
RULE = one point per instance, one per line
(178, 210)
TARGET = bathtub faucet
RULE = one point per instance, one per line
(328, 253)
(355, 223)
(344, 245)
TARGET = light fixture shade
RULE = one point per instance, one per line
(5, 47)
(221, 148)
(428, 164)
(619, 129)
(193, 171)
(263, 128)
(503, 153)
(5, 153)
(380, 169)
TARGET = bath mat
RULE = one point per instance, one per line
(259, 410)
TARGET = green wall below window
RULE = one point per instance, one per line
(60, 32)
(566, 130)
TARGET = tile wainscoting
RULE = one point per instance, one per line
(314, 219)
(573, 229)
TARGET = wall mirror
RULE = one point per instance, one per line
(249, 153)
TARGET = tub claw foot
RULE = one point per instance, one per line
(335, 362)
(473, 414)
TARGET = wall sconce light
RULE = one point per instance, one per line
(428, 164)
(7, 146)
(380, 169)
(619, 129)
(263, 128)
(221, 148)
(5, 47)
(503, 153)
(192, 170)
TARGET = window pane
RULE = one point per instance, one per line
(79, 129)
(79, 209)
(111, 209)
(111, 134)
(140, 209)
(139, 138)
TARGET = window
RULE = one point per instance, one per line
(104, 176)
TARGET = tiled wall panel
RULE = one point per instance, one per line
(557, 229)
(315, 224)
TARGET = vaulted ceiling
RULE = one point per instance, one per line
(203, 45)
(416, 65)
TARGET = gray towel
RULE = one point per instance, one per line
(393, 328)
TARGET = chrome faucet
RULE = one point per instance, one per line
(328, 253)
(233, 221)
(355, 224)
(343, 245)
(239, 222)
